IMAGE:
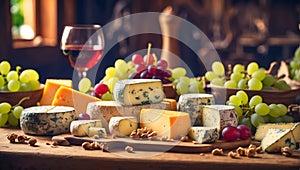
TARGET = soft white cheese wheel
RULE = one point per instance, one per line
(47, 120)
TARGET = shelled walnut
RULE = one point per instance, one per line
(32, 141)
(286, 151)
(12, 137)
(217, 151)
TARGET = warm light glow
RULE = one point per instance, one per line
(26, 32)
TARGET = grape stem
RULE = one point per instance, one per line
(22, 100)
(148, 53)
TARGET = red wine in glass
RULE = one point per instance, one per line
(83, 57)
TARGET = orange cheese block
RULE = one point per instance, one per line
(51, 87)
(66, 96)
(166, 123)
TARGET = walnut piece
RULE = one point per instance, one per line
(233, 154)
(129, 149)
(217, 151)
(87, 145)
(12, 137)
(32, 141)
(250, 152)
(286, 151)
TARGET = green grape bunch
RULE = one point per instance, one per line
(10, 115)
(17, 80)
(294, 66)
(251, 77)
(253, 111)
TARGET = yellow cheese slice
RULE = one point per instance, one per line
(69, 97)
(51, 87)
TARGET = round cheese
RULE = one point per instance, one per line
(47, 120)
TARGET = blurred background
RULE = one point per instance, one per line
(241, 30)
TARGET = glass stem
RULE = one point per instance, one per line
(81, 74)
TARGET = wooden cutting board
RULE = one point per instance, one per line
(147, 145)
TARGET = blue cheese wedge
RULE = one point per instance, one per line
(203, 134)
(122, 126)
(275, 139)
(262, 129)
(219, 116)
(193, 104)
(97, 131)
(132, 92)
(81, 127)
(47, 120)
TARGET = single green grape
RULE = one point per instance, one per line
(282, 85)
(210, 75)
(282, 109)
(12, 120)
(235, 100)
(238, 68)
(256, 120)
(218, 68)
(35, 84)
(29, 74)
(13, 85)
(255, 84)
(256, 99)
(25, 87)
(246, 121)
(262, 109)
(17, 111)
(274, 110)
(4, 67)
(260, 74)
(3, 119)
(193, 88)
(230, 84)
(178, 72)
(120, 63)
(242, 84)
(243, 96)
(252, 67)
(107, 96)
(217, 82)
(236, 77)
(182, 88)
(5, 107)
(12, 75)
(84, 85)
(269, 80)
(110, 72)
(185, 79)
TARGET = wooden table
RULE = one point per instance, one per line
(23, 156)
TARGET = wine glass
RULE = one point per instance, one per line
(83, 45)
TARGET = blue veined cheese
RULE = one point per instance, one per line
(203, 134)
(99, 131)
(131, 92)
(275, 139)
(193, 104)
(262, 129)
(219, 116)
(81, 127)
(47, 120)
(122, 126)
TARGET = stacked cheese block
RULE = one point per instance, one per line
(275, 136)
(59, 105)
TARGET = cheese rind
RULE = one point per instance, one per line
(262, 129)
(99, 131)
(204, 134)
(122, 126)
(193, 104)
(69, 97)
(131, 92)
(50, 88)
(219, 116)
(47, 120)
(106, 109)
(171, 124)
(81, 127)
